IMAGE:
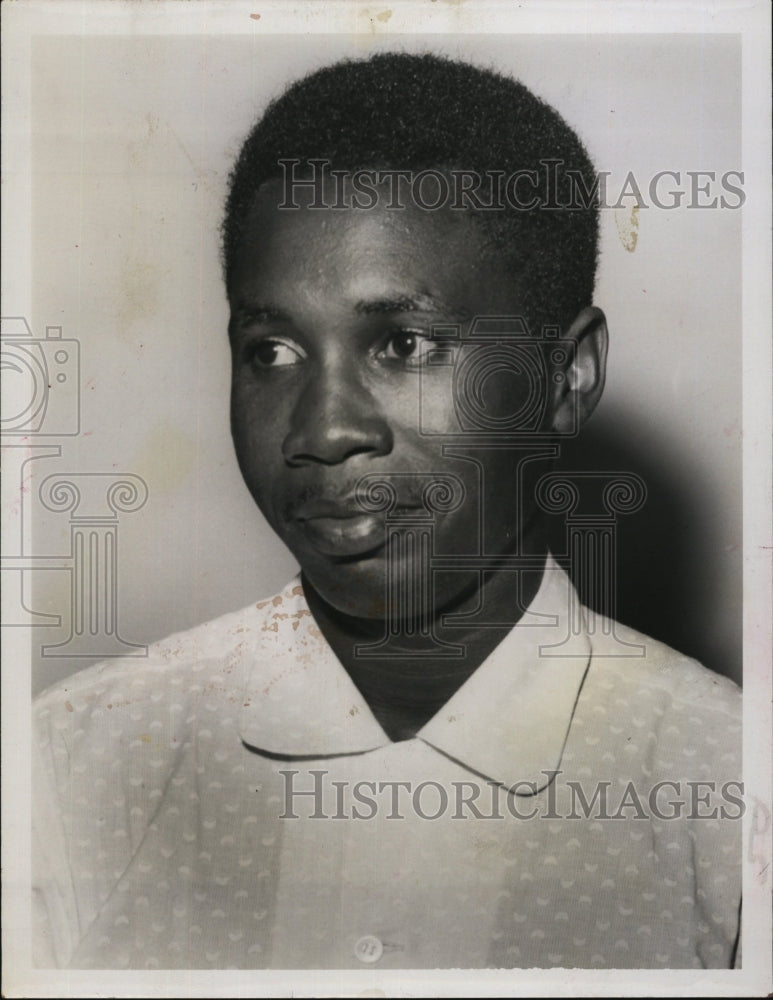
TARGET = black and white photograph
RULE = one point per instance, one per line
(386, 565)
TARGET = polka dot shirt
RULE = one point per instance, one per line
(231, 802)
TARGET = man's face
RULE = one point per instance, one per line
(331, 317)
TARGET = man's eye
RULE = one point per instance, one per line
(270, 353)
(408, 345)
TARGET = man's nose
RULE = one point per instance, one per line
(335, 418)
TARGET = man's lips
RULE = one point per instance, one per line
(341, 527)
(351, 535)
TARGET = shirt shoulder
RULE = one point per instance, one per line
(209, 659)
(661, 711)
(634, 663)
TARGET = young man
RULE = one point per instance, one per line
(423, 752)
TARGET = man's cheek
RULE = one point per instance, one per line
(436, 412)
(259, 462)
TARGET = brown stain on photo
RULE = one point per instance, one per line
(166, 456)
(628, 227)
(139, 291)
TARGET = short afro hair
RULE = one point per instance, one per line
(403, 111)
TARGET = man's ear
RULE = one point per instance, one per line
(578, 383)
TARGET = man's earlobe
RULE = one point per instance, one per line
(576, 394)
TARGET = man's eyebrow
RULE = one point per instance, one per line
(259, 312)
(421, 302)
(265, 312)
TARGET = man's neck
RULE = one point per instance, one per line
(405, 691)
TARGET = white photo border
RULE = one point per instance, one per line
(26, 19)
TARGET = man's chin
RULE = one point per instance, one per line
(354, 586)
(373, 590)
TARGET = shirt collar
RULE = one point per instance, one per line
(508, 722)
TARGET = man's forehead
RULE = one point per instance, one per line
(379, 260)
(331, 243)
(358, 192)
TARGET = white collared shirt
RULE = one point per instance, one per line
(232, 802)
